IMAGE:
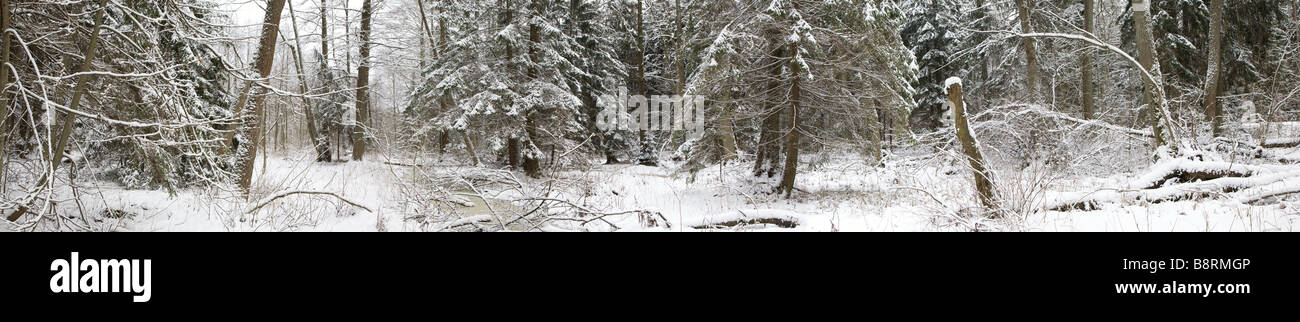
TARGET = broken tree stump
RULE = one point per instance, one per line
(983, 181)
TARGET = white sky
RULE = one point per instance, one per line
(246, 11)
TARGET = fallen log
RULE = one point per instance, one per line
(1255, 187)
(1276, 189)
(1282, 143)
(739, 218)
(1183, 170)
(1251, 150)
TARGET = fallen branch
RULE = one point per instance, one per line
(1022, 109)
(268, 200)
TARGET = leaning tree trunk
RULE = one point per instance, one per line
(1025, 9)
(252, 122)
(1088, 92)
(983, 180)
(1214, 69)
(68, 121)
(319, 142)
(359, 130)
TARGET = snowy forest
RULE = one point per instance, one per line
(495, 115)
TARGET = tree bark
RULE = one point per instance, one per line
(532, 162)
(324, 34)
(875, 131)
(428, 32)
(769, 146)
(1146, 57)
(252, 122)
(360, 129)
(792, 137)
(681, 50)
(727, 130)
(1214, 69)
(320, 144)
(444, 102)
(1088, 92)
(983, 180)
(4, 95)
(646, 148)
(1026, 9)
(469, 147)
(347, 38)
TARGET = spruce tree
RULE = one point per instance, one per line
(931, 31)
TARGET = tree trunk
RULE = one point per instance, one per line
(646, 148)
(252, 123)
(347, 38)
(532, 162)
(324, 34)
(360, 129)
(4, 95)
(444, 102)
(983, 182)
(1025, 9)
(1088, 92)
(469, 146)
(319, 143)
(428, 32)
(792, 139)
(727, 130)
(512, 151)
(769, 146)
(1146, 57)
(1214, 69)
(875, 130)
(681, 50)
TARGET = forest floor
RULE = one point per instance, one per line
(835, 195)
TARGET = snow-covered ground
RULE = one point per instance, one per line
(836, 196)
